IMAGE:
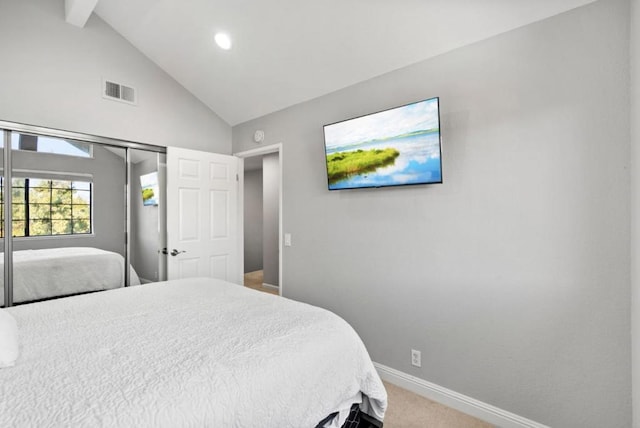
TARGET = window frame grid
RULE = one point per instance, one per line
(27, 211)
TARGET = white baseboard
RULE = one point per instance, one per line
(273, 287)
(468, 405)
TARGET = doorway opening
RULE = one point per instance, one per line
(260, 218)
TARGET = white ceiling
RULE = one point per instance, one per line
(289, 51)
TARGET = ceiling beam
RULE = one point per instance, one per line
(77, 12)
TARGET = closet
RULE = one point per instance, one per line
(75, 211)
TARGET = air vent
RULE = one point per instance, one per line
(116, 91)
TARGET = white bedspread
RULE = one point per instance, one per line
(39, 274)
(196, 352)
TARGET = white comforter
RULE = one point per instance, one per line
(196, 352)
(40, 274)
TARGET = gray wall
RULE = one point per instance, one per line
(109, 174)
(512, 277)
(52, 73)
(271, 219)
(635, 205)
(145, 236)
(253, 220)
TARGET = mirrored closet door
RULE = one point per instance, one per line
(71, 209)
(4, 290)
(148, 215)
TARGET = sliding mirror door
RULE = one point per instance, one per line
(148, 215)
(69, 221)
(75, 211)
(4, 290)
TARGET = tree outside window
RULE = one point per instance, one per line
(48, 207)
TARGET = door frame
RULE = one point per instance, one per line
(260, 151)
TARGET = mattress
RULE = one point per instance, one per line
(192, 352)
(42, 274)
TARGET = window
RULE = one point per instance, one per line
(48, 207)
(43, 144)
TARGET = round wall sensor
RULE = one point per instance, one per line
(258, 136)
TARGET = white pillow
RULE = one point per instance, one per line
(8, 339)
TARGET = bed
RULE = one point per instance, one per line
(42, 274)
(193, 352)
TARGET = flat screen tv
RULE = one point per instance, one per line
(395, 147)
(149, 185)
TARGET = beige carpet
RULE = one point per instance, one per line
(409, 410)
(254, 280)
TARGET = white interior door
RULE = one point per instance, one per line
(202, 211)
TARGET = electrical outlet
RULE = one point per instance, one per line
(416, 358)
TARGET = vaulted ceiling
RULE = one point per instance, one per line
(288, 51)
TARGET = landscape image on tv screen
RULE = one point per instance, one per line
(394, 147)
(150, 192)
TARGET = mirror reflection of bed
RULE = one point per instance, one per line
(58, 272)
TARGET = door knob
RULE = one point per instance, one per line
(175, 252)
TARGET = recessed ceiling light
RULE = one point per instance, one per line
(223, 40)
